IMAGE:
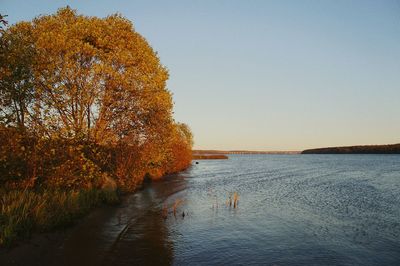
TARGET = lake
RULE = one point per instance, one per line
(292, 210)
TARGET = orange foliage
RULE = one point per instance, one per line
(83, 99)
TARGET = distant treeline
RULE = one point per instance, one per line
(367, 149)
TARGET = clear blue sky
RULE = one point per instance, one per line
(269, 75)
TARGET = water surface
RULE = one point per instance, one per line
(295, 209)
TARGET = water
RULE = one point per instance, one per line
(293, 210)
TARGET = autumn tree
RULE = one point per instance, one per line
(93, 82)
(98, 78)
(180, 147)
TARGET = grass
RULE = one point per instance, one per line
(23, 212)
(235, 199)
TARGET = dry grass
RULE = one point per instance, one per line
(233, 199)
(27, 211)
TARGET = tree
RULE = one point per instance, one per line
(91, 78)
(77, 83)
(180, 148)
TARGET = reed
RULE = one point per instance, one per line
(235, 199)
(229, 200)
(23, 212)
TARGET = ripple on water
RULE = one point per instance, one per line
(294, 210)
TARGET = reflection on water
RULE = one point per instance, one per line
(292, 210)
(142, 237)
(133, 234)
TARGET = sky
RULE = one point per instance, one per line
(268, 75)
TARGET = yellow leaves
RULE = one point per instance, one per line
(98, 81)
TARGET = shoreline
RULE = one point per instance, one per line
(95, 238)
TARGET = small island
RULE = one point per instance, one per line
(209, 157)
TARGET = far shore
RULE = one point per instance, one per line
(360, 149)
